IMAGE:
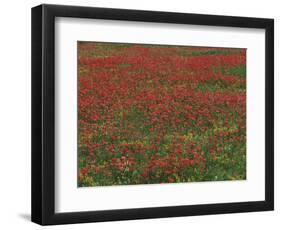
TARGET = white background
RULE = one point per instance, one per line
(71, 199)
(15, 115)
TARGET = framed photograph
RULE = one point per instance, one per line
(142, 114)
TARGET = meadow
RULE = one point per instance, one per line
(160, 114)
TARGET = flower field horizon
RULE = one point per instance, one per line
(151, 114)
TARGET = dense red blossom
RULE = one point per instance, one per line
(156, 114)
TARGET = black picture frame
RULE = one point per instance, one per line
(43, 114)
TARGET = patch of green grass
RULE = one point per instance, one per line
(185, 53)
(210, 52)
(237, 71)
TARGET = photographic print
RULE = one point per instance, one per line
(185, 120)
(150, 114)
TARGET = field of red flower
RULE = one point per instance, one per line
(160, 114)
